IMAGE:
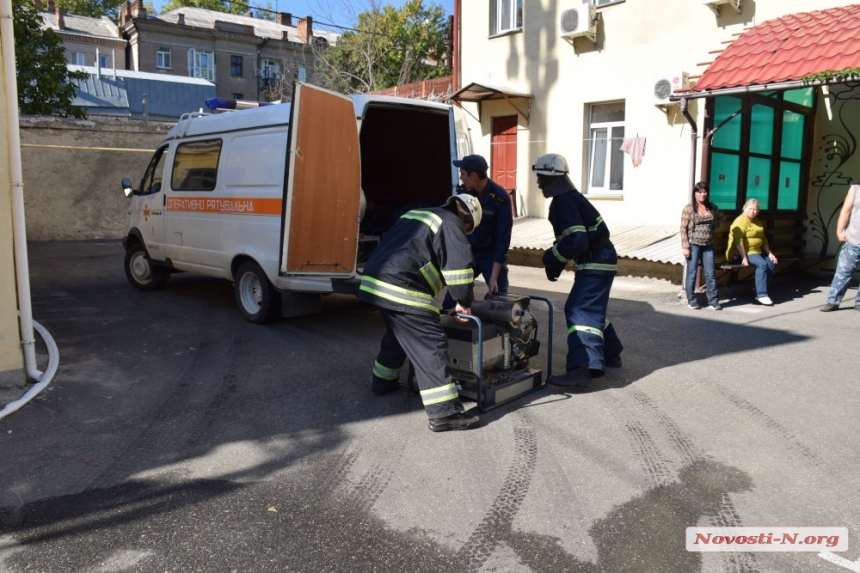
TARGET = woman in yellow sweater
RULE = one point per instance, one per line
(746, 235)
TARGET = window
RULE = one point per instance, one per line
(302, 74)
(79, 59)
(163, 59)
(757, 151)
(270, 73)
(237, 66)
(201, 65)
(605, 2)
(103, 63)
(195, 165)
(505, 16)
(237, 95)
(605, 158)
(151, 182)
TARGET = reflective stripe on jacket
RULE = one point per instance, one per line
(425, 250)
(578, 226)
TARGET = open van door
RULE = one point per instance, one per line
(322, 195)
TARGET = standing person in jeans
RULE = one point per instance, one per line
(747, 236)
(849, 235)
(700, 221)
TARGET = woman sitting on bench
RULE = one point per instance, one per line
(746, 235)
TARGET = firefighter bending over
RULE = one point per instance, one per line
(583, 237)
(424, 251)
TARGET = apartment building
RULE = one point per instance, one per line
(244, 56)
(645, 97)
(88, 41)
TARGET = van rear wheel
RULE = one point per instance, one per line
(257, 299)
(139, 270)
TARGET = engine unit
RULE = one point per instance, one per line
(490, 353)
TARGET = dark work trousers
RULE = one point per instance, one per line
(483, 267)
(590, 335)
(421, 338)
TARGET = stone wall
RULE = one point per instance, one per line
(72, 173)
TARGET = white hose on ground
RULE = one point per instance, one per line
(44, 377)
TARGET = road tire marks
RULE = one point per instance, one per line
(758, 415)
(497, 524)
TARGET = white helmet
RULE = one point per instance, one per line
(468, 205)
(551, 164)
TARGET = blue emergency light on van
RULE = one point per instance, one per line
(214, 103)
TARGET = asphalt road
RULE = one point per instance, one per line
(178, 437)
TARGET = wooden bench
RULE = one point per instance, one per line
(785, 234)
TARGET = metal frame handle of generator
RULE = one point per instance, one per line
(480, 368)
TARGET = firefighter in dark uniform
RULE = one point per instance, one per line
(581, 236)
(491, 241)
(424, 251)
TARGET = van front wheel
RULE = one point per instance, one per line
(257, 299)
(139, 269)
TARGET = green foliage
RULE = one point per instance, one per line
(833, 75)
(45, 84)
(389, 47)
(91, 8)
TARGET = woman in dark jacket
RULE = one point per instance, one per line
(700, 221)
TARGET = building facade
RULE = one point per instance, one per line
(245, 57)
(599, 82)
(88, 41)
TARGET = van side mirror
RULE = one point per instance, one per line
(126, 187)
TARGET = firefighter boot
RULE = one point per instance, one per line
(381, 386)
(458, 421)
(577, 380)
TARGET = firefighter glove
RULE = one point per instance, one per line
(552, 265)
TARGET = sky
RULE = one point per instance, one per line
(317, 8)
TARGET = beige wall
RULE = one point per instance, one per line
(637, 42)
(11, 357)
(836, 164)
(73, 192)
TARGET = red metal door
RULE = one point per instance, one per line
(503, 161)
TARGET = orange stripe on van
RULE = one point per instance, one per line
(234, 206)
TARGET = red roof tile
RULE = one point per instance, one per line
(787, 49)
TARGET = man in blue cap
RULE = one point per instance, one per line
(490, 241)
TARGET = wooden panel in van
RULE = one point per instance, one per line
(326, 179)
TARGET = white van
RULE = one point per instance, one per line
(271, 197)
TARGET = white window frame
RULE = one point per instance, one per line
(270, 69)
(79, 58)
(164, 59)
(502, 23)
(595, 140)
(201, 64)
(302, 74)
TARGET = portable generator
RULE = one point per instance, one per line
(490, 352)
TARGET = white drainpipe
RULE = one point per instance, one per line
(19, 230)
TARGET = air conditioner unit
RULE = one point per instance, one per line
(578, 21)
(716, 5)
(666, 85)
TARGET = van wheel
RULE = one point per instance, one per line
(257, 299)
(140, 272)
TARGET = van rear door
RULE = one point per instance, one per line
(322, 196)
